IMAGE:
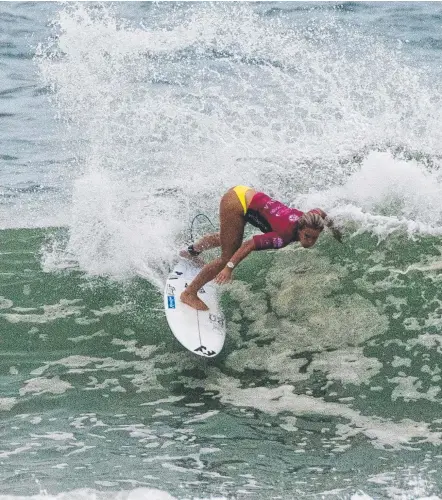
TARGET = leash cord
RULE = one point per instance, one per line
(193, 221)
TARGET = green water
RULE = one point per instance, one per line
(328, 378)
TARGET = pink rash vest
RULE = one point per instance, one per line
(277, 221)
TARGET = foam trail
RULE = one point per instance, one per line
(386, 195)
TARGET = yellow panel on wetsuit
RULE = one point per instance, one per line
(241, 193)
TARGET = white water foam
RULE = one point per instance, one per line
(155, 494)
(383, 433)
(163, 121)
(89, 494)
(384, 196)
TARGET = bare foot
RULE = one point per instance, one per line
(198, 261)
(193, 301)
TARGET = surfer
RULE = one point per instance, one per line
(280, 224)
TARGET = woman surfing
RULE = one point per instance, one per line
(280, 224)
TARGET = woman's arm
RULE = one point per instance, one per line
(226, 274)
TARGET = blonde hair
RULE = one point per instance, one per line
(311, 220)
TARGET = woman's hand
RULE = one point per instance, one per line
(224, 276)
(336, 234)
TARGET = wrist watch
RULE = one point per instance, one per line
(230, 265)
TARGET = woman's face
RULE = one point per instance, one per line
(308, 236)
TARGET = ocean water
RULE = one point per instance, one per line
(122, 121)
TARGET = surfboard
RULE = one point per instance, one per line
(201, 332)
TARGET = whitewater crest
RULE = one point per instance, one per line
(161, 122)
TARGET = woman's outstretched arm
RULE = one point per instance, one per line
(337, 234)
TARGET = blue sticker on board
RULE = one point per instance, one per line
(171, 302)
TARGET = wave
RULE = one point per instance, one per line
(164, 121)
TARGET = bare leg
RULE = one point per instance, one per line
(205, 243)
(230, 236)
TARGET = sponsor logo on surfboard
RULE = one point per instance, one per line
(216, 320)
(205, 351)
(171, 302)
(170, 289)
(201, 290)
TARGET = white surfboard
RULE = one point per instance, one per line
(202, 332)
